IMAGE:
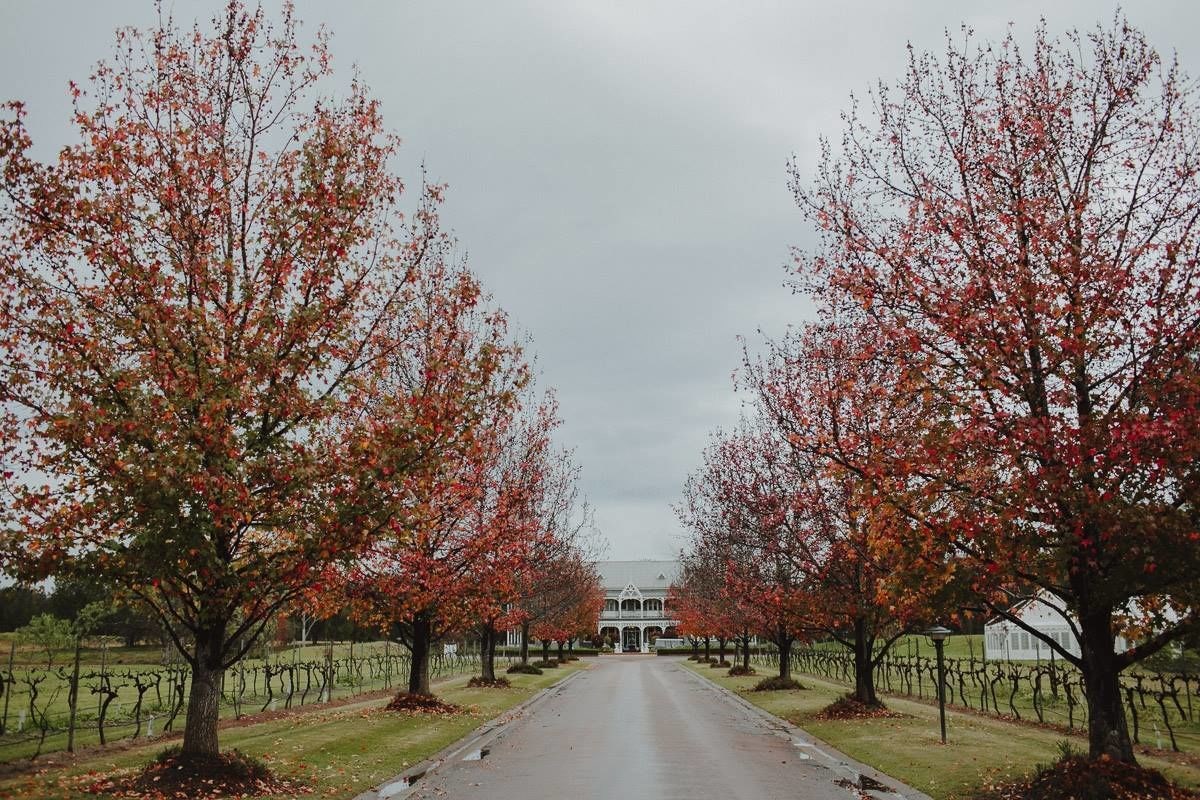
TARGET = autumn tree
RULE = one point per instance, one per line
(566, 603)
(702, 600)
(1020, 226)
(741, 512)
(193, 298)
(456, 385)
(506, 510)
(829, 397)
(690, 600)
(565, 535)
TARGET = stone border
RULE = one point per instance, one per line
(818, 750)
(479, 739)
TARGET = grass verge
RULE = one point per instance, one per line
(980, 751)
(339, 752)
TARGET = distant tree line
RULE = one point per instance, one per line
(65, 599)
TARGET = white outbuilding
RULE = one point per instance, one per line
(1004, 640)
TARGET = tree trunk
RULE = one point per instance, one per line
(561, 645)
(695, 647)
(418, 673)
(1108, 733)
(864, 672)
(784, 643)
(721, 640)
(707, 648)
(204, 701)
(545, 650)
(524, 642)
(746, 651)
(72, 697)
(487, 666)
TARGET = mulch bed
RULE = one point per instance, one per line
(422, 704)
(175, 776)
(777, 684)
(523, 669)
(482, 683)
(1079, 778)
(849, 708)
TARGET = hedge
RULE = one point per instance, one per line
(536, 651)
(730, 654)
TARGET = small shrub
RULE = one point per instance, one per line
(777, 684)
(549, 663)
(738, 670)
(1066, 750)
(523, 669)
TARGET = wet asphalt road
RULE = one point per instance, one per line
(637, 727)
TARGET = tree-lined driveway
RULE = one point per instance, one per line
(641, 726)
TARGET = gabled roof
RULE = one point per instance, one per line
(616, 575)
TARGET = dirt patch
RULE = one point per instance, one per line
(849, 708)
(422, 704)
(173, 775)
(1087, 779)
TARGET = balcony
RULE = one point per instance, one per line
(634, 614)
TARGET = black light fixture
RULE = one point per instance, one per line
(937, 634)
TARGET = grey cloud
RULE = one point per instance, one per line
(617, 175)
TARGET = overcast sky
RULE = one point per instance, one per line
(617, 175)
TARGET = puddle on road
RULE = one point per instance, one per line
(396, 788)
(476, 755)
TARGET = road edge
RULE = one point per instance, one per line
(477, 738)
(836, 758)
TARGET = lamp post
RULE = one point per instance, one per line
(938, 634)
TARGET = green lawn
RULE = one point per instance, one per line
(979, 749)
(962, 645)
(340, 752)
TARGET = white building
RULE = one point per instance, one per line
(1007, 640)
(636, 611)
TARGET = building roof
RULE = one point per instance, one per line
(616, 575)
